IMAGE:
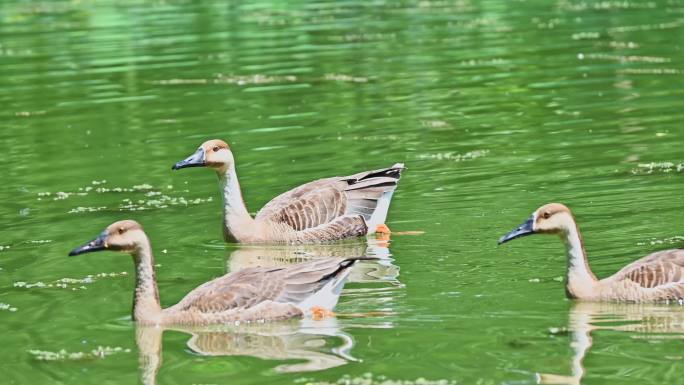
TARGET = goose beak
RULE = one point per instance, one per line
(96, 244)
(526, 228)
(195, 160)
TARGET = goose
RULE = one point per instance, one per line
(253, 294)
(324, 210)
(658, 277)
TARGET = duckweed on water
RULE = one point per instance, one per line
(369, 379)
(677, 239)
(658, 167)
(345, 78)
(63, 355)
(434, 123)
(162, 202)
(39, 241)
(257, 79)
(69, 283)
(629, 58)
(30, 241)
(230, 79)
(81, 209)
(8, 307)
(455, 156)
(648, 71)
(156, 198)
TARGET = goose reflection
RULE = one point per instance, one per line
(648, 320)
(381, 269)
(309, 342)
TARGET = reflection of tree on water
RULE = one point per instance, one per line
(649, 320)
(280, 255)
(307, 341)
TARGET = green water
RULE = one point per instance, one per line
(496, 107)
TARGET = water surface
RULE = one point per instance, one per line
(496, 107)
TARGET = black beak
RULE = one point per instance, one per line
(194, 160)
(96, 244)
(527, 228)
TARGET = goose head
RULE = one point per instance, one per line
(213, 153)
(126, 236)
(552, 218)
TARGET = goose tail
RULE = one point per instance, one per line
(327, 296)
(369, 194)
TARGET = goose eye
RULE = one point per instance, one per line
(547, 215)
(215, 149)
(121, 230)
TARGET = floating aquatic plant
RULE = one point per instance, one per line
(155, 198)
(456, 157)
(8, 307)
(345, 78)
(39, 241)
(69, 283)
(658, 167)
(81, 209)
(677, 239)
(239, 80)
(63, 355)
(370, 379)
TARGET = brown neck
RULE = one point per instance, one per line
(579, 277)
(237, 223)
(146, 307)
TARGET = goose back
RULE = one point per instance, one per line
(258, 293)
(658, 276)
(325, 200)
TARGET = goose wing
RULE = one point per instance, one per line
(324, 200)
(660, 270)
(251, 287)
(308, 205)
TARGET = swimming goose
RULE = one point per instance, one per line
(320, 211)
(656, 277)
(252, 294)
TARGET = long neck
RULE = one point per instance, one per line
(579, 277)
(146, 307)
(236, 219)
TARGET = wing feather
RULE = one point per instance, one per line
(660, 269)
(251, 287)
(325, 200)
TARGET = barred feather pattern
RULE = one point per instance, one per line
(328, 209)
(656, 277)
(316, 207)
(256, 294)
(339, 228)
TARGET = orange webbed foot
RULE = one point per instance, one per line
(382, 234)
(319, 313)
